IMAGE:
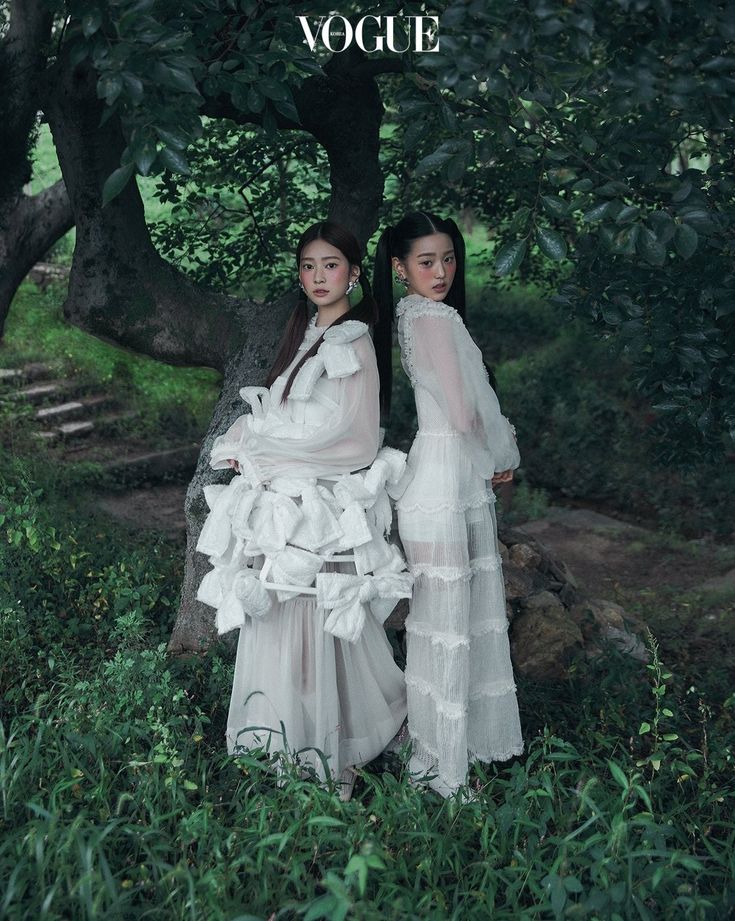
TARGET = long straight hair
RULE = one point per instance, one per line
(366, 310)
(397, 242)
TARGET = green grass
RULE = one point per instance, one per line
(117, 799)
(180, 399)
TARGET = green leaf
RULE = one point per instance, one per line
(432, 162)
(597, 212)
(134, 86)
(179, 78)
(175, 161)
(645, 727)
(551, 243)
(173, 138)
(618, 774)
(509, 257)
(554, 205)
(626, 214)
(686, 239)
(520, 219)
(116, 182)
(91, 22)
(144, 153)
(109, 87)
(650, 248)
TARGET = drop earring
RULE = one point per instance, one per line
(351, 287)
(401, 280)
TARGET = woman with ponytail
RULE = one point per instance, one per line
(461, 695)
(297, 538)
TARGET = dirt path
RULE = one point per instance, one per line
(616, 560)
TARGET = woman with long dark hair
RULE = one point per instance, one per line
(461, 694)
(297, 539)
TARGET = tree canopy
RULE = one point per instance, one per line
(593, 140)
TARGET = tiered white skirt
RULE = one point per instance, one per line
(462, 703)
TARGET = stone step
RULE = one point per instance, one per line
(156, 465)
(74, 408)
(79, 427)
(31, 371)
(37, 393)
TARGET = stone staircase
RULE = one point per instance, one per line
(80, 422)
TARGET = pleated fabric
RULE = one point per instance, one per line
(461, 692)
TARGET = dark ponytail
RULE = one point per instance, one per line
(383, 334)
(397, 242)
(366, 310)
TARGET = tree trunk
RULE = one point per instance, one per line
(30, 225)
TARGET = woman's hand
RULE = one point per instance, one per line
(505, 477)
(234, 464)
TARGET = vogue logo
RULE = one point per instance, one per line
(421, 33)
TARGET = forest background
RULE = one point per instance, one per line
(587, 152)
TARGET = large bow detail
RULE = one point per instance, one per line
(273, 520)
(248, 597)
(335, 355)
(349, 598)
(223, 500)
(294, 566)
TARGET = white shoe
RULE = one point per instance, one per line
(422, 775)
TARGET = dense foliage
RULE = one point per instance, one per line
(117, 799)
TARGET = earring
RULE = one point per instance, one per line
(302, 286)
(401, 280)
(351, 287)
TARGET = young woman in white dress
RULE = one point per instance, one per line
(314, 670)
(461, 694)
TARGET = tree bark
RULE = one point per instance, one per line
(29, 224)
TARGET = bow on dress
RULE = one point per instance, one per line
(335, 355)
(349, 598)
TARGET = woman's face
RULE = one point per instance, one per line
(325, 273)
(429, 267)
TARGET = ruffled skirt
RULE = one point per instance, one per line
(300, 689)
(462, 701)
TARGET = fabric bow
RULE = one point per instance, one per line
(293, 566)
(248, 597)
(273, 521)
(348, 598)
(215, 534)
(335, 355)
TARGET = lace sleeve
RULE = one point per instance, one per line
(441, 357)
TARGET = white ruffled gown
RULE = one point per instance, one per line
(462, 701)
(318, 666)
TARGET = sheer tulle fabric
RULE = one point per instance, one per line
(461, 694)
(345, 699)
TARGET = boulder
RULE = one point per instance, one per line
(545, 642)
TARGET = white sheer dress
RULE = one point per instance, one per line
(461, 693)
(314, 662)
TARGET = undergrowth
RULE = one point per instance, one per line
(118, 800)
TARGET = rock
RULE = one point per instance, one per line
(560, 571)
(525, 556)
(542, 601)
(569, 595)
(511, 536)
(602, 620)
(544, 643)
(518, 583)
